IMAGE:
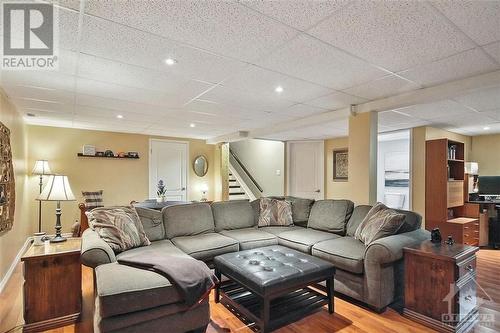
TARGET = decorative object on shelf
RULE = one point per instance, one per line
(451, 214)
(7, 181)
(121, 154)
(161, 190)
(452, 152)
(99, 154)
(133, 154)
(39, 238)
(200, 166)
(436, 236)
(340, 164)
(41, 169)
(109, 153)
(204, 190)
(450, 240)
(89, 150)
(57, 189)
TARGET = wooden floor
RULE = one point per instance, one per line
(347, 317)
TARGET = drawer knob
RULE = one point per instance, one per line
(470, 268)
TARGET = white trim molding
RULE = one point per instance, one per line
(14, 263)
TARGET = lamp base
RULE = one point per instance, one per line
(58, 239)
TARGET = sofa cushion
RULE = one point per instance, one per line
(303, 239)
(378, 223)
(188, 220)
(275, 230)
(358, 214)
(234, 214)
(256, 211)
(206, 246)
(152, 221)
(301, 209)
(251, 238)
(330, 215)
(412, 221)
(162, 247)
(123, 289)
(345, 253)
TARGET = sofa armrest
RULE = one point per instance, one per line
(95, 251)
(390, 249)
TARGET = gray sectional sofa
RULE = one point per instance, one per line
(130, 299)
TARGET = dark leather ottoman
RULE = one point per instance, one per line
(270, 285)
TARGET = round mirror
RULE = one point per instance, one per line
(200, 166)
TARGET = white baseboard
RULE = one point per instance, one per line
(16, 260)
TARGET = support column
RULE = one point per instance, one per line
(225, 171)
(363, 131)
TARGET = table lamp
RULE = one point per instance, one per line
(57, 189)
(41, 169)
(204, 190)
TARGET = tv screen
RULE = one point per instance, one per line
(489, 185)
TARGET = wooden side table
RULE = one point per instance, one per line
(440, 286)
(52, 285)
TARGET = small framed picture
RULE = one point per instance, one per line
(340, 164)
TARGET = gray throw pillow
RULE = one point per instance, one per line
(378, 223)
(118, 226)
(275, 212)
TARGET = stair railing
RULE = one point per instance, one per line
(245, 175)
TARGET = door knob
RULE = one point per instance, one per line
(183, 189)
(317, 191)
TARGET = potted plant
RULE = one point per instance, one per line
(161, 191)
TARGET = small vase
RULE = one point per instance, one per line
(160, 199)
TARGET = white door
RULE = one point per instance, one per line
(306, 169)
(168, 162)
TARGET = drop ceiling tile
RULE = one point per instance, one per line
(482, 100)
(476, 119)
(459, 66)
(298, 14)
(388, 86)
(263, 82)
(121, 105)
(203, 118)
(68, 29)
(71, 4)
(391, 118)
(35, 105)
(302, 110)
(310, 59)
(130, 46)
(211, 108)
(480, 20)
(116, 124)
(99, 112)
(224, 27)
(335, 101)
(29, 93)
(393, 34)
(493, 114)
(40, 79)
(494, 50)
(445, 108)
(67, 123)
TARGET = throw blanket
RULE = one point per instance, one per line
(192, 277)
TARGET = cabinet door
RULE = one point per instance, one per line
(455, 194)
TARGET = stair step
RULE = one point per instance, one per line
(237, 193)
(234, 186)
(232, 180)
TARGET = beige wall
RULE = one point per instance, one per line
(484, 151)
(12, 241)
(335, 189)
(121, 180)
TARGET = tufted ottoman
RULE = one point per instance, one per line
(270, 285)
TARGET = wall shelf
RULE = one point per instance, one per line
(115, 157)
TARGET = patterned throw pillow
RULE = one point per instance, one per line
(378, 223)
(92, 199)
(275, 212)
(118, 226)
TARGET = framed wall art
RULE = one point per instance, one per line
(340, 164)
(7, 183)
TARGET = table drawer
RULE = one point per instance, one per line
(466, 267)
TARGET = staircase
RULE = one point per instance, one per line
(236, 192)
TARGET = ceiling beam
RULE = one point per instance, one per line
(419, 96)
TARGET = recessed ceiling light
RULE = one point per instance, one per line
(486, 128)
(170, 61)
(192, 125)
(278, 89)
(119, 116)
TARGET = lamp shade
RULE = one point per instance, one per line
(472, 168)
(57, 189)
(41, 168)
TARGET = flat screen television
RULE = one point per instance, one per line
(489, 185)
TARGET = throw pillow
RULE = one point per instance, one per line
(275, 212)
(118, 226)
(92, 199)
(378, 223)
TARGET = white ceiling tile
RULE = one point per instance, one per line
(121, 105)
(459, 66)
(476, 119)
(391, 118)
(41, 79)
(114, 123)
(445, 108)
(263, 82)
(68, 29)
(71, 4)
(302, 110)
(224, 27)
(131, 46)
(298, 14)
(494, 50)
(480, 20)
(99, 112)
(482, 100)
(335, 101)
(387, 86)
(68, 123)
(493, 114)
(394, 34)
(310, 59)
(36, 94)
